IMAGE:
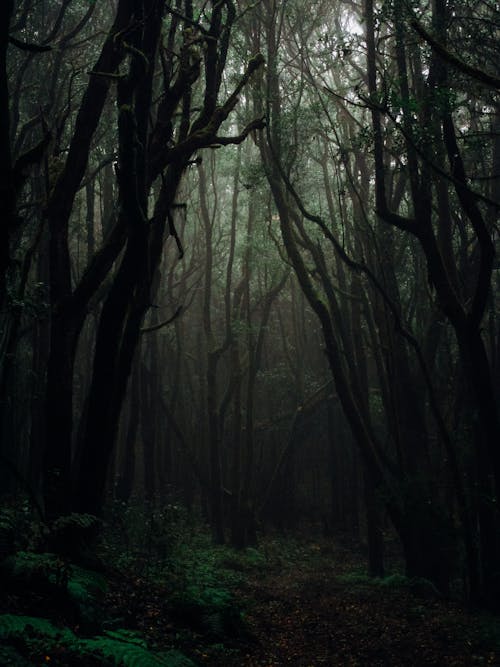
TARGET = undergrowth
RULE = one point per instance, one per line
(61, 609)
(165, 595)
(40, 641)
(62, 615)
(418, 585)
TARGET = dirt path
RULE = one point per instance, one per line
(307, 618)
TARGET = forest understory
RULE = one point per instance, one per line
(163, 594)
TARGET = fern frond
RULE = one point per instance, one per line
(121, 648)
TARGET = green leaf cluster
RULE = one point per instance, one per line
(417, 585)
(38, 638)
(48, 574)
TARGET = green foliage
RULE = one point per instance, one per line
(355, 579)
(252, 174)
(17, 530)
(74, 521)
(202, 576)
(395, 581)
(7, 531)
(206, 601)
(244, 561)
(362, 581)
(209, 609)
(32, 567)
(48, 573)
(7, 534)
(176, 659)
(36, 569)
(152, 535)
(86, 589)
(126, 651)
(13, 626)
(122, 648)
(86, 583)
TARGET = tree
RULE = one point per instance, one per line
(404, 476)
(463, 308)
(155, 144)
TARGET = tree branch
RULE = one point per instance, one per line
(29, 46)
(164, 323)
(257, 124)
(474, 72)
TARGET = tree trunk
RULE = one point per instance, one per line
(7, 191)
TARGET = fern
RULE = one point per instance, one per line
(32, 568)
(126, 636)
(127, 653)
(121, 648)
(59, 582)
(177, 659)
(74, 521)
(417, 585)
(211, 610)
(122, 652)
(16, 527)
(86, 584)
(86, 590)
(13, 627)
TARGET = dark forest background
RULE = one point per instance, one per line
(248, 267)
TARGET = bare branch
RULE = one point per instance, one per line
(164, 323)
(29, 46)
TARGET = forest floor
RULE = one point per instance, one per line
(179, 601)
(325, 613)
(309, 602)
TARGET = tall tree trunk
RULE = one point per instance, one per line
(7, 191)
(66, 322)
(126, 461)
(213, 356)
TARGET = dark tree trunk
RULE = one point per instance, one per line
(67, 321)
(150, 399)
(373, 528)
(7, 189)
(126, 461)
